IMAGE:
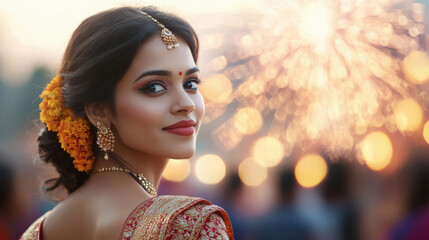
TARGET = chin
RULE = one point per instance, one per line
(183, 155)
(181, 150)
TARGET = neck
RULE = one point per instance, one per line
(150, 166)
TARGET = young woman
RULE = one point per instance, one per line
(124, 101)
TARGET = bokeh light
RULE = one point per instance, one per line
(210, 169)
(322, 72)
(310, 170)
(217, 88)
(377, 150)
(416, 67)
(218, 63)
(248, 120)
(268, 151)
(426, 132)
(177, 170)
(408, 115)
(316, 25)
(252, 173)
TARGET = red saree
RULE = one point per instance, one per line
(166, 217)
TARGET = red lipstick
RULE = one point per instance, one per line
(183, 128)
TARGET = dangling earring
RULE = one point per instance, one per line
(105, 139)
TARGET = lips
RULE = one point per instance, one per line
(183, 128)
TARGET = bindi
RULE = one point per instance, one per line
(180, 73)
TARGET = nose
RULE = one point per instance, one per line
(182, 103)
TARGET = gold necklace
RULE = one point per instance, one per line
(147, 186)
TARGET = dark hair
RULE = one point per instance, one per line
(98, 54)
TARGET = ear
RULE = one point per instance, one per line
(97, 112)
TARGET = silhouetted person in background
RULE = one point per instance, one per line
(231, 203)
(342, 211)
(6, 190)
(284, 221)
(415, 225)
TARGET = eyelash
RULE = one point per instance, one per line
(147, 88)
(193, 80)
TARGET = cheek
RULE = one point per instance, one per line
(199, 107)
(137, 115)
(133, 110)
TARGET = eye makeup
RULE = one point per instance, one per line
(192, 83)
(153, 87)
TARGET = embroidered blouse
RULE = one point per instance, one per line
(167, 218)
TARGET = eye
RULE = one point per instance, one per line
(192, 84)
(152, 88)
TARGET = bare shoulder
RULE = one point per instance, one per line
(65, 218)
(90, 213)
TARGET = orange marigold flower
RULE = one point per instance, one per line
(73, 133)
(75, 138)
(52, 106)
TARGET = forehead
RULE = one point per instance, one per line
(154, 55)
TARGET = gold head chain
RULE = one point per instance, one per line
(166, 35)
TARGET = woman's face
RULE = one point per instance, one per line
(159, 90)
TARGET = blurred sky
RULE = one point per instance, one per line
(36, 32)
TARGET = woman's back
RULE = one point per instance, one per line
(129, 213)
(92, 212)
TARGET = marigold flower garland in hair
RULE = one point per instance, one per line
(73, 132)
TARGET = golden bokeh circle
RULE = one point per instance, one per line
(251, 173)
(310, 170)
(177, 170)
(268, 151)
(416, 67)
(217, 88)
(377, 150)
(210, 169)
(248, 120)
(408, 115)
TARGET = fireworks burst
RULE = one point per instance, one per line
(324, 72)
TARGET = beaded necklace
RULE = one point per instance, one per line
(139, 177)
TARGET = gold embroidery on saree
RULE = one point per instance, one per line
(33, 232)
(152, 222)
(175, 217)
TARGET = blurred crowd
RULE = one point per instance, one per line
(352, 202)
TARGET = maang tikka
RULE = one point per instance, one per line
(105, 139)
(166, 35)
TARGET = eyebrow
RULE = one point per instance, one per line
(164, 73)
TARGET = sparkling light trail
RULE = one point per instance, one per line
(325, 71)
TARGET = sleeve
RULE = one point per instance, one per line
(214, 228)
(201, 221)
